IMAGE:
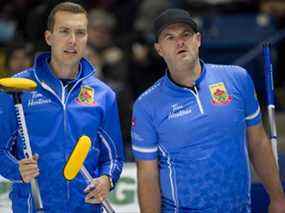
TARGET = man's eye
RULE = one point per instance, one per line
(188, 34)
(63, 31)
(169, 37)
(81, 33)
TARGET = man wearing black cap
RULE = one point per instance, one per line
(195, 129)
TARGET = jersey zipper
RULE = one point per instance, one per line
(62, 101)
(198, 100)
(65, 131)
(197, 97)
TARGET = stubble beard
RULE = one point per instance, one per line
(187, 63)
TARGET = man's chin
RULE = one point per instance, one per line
(70, 56)
(186, 60)
(186, 63)
(72, 59)
(72, 62)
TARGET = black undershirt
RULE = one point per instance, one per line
(67, 83)
(180, 85)
(183, 86)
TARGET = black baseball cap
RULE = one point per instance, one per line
(173, 16)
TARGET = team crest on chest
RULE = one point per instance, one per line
(219, 94)
(86, 96)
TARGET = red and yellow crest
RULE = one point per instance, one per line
(86, 96)
(219, 94)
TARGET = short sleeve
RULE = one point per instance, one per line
(144, 137)
(252, 108)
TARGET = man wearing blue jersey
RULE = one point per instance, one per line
(195, 130)
(68, 102)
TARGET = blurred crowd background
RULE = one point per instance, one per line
(121, 41)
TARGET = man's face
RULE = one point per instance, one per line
(68, 38)
(178, 45)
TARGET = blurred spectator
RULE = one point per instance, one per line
(7, 24)
(13, 18)
(93, 56)
(110, 60)
(144, 66)
(146, 13)
(20, 10)
(18, 58)
(111, 57)
(101, 25)
(125, 13)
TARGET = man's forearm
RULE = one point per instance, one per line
(265, 166)
(149, 194)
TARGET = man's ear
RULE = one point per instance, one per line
(48, 37)
(199, 39)
(158, 48)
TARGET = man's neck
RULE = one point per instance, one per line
(186, 76)
(64, 72)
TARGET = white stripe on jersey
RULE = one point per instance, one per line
(109, 153)
(172, 178)
(252, 116)
(145, 150)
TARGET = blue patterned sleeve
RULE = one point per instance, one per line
(144, 137)
(252, 108)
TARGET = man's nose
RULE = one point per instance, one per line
(180, 42)
(72, 38)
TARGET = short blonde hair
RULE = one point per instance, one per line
(66, 7)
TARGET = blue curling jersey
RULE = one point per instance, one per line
(199, 139)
